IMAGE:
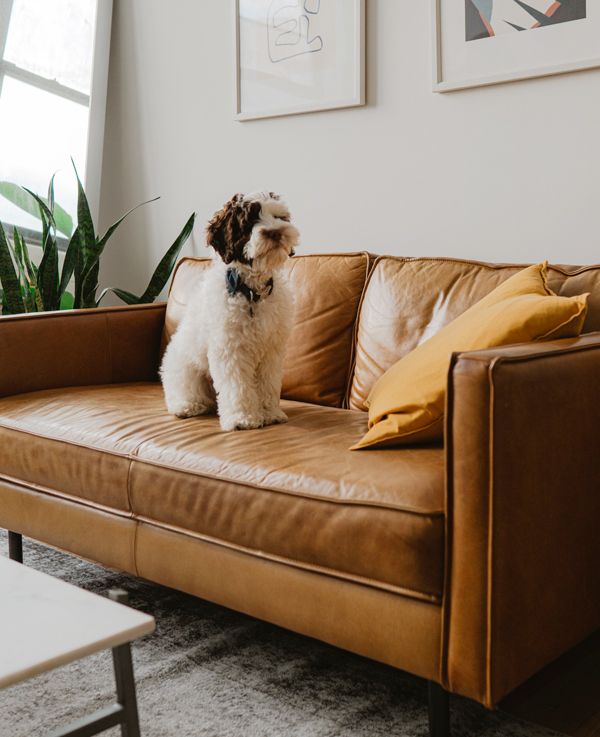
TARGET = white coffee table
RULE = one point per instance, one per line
(45, 622)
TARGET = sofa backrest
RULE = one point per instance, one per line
(328, 290)
(406, 300)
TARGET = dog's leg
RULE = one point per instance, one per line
(186, 382)
(234, 378)
(269, 374)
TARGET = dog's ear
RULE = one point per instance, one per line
(231, 227)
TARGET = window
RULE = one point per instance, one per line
(46, 59)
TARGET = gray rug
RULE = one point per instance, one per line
(210, 672)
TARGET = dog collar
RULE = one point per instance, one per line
(236, 285)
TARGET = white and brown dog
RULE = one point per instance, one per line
(228, 350)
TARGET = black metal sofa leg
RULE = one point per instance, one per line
(15, 546)
(439, 711)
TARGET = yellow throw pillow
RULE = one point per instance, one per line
(406, 405)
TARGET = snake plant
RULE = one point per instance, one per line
(30, 288)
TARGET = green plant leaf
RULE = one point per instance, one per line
(102, 241)
(62, 219)
(122, 294)
(64, 222)
(18, 253)
(167, 264)
(24, 201)
(87, 265)
(161, 273)
(67, 301)
(69, 262)
(48, 275)
(43, 207)
(92, 266)
(85, 223)
(12, 299)
(50, 199)
(19, 197)
(78, 273)
(33, 297)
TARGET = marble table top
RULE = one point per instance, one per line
(45, 622)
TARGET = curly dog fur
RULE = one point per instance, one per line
(228, 351)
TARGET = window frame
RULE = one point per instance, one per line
(95, 101)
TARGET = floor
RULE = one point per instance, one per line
(565, 696)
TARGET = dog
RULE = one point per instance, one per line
(227, 354)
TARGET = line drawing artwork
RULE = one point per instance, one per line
(289, 29)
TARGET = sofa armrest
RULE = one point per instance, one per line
(523, 501)
(79, 347)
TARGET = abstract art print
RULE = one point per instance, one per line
(488, 18)
(297, 56)
(482, 42)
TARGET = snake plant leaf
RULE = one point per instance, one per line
(167, 263)
(48, 276)
(64, 222)
(69, 263)
(67, 301)
(33, 298)
(122, 294)
(90, 276)
(48, 224)
(161, 273)
(12, 300)
(85, 224)
(78, 273)
(62, 219)
(24, 201)
(50, 199)
(102, 241)
(19, 197)
(45, 211)
(18, 251)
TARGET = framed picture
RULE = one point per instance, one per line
(482, 42)
(298, 56)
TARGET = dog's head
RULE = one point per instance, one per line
(254, 230)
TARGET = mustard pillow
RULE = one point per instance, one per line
(406, 405)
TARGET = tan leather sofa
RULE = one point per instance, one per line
(471, 565)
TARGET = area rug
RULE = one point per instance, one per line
(211, 672)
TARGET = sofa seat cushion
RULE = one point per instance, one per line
(78, 441)
(292, 492)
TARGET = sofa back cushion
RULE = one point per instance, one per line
(328, 289)
(407, 300)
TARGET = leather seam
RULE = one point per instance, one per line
(472, 356)
(136, 459)
(109, 351)
(448, 520)
(352, 503)
(47, 491)
(490, 538)
(98, 312)
(294, 563)
(357, 329)
(492, 267)
(138, 519)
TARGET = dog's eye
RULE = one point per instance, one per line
(285, 217)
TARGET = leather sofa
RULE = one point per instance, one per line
(471, 564)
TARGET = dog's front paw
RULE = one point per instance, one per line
(241, 422)
(190, 409)
(275, 417)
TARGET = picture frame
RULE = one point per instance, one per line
(512, 47)
(284, 63)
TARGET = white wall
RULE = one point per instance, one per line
(506, 173)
